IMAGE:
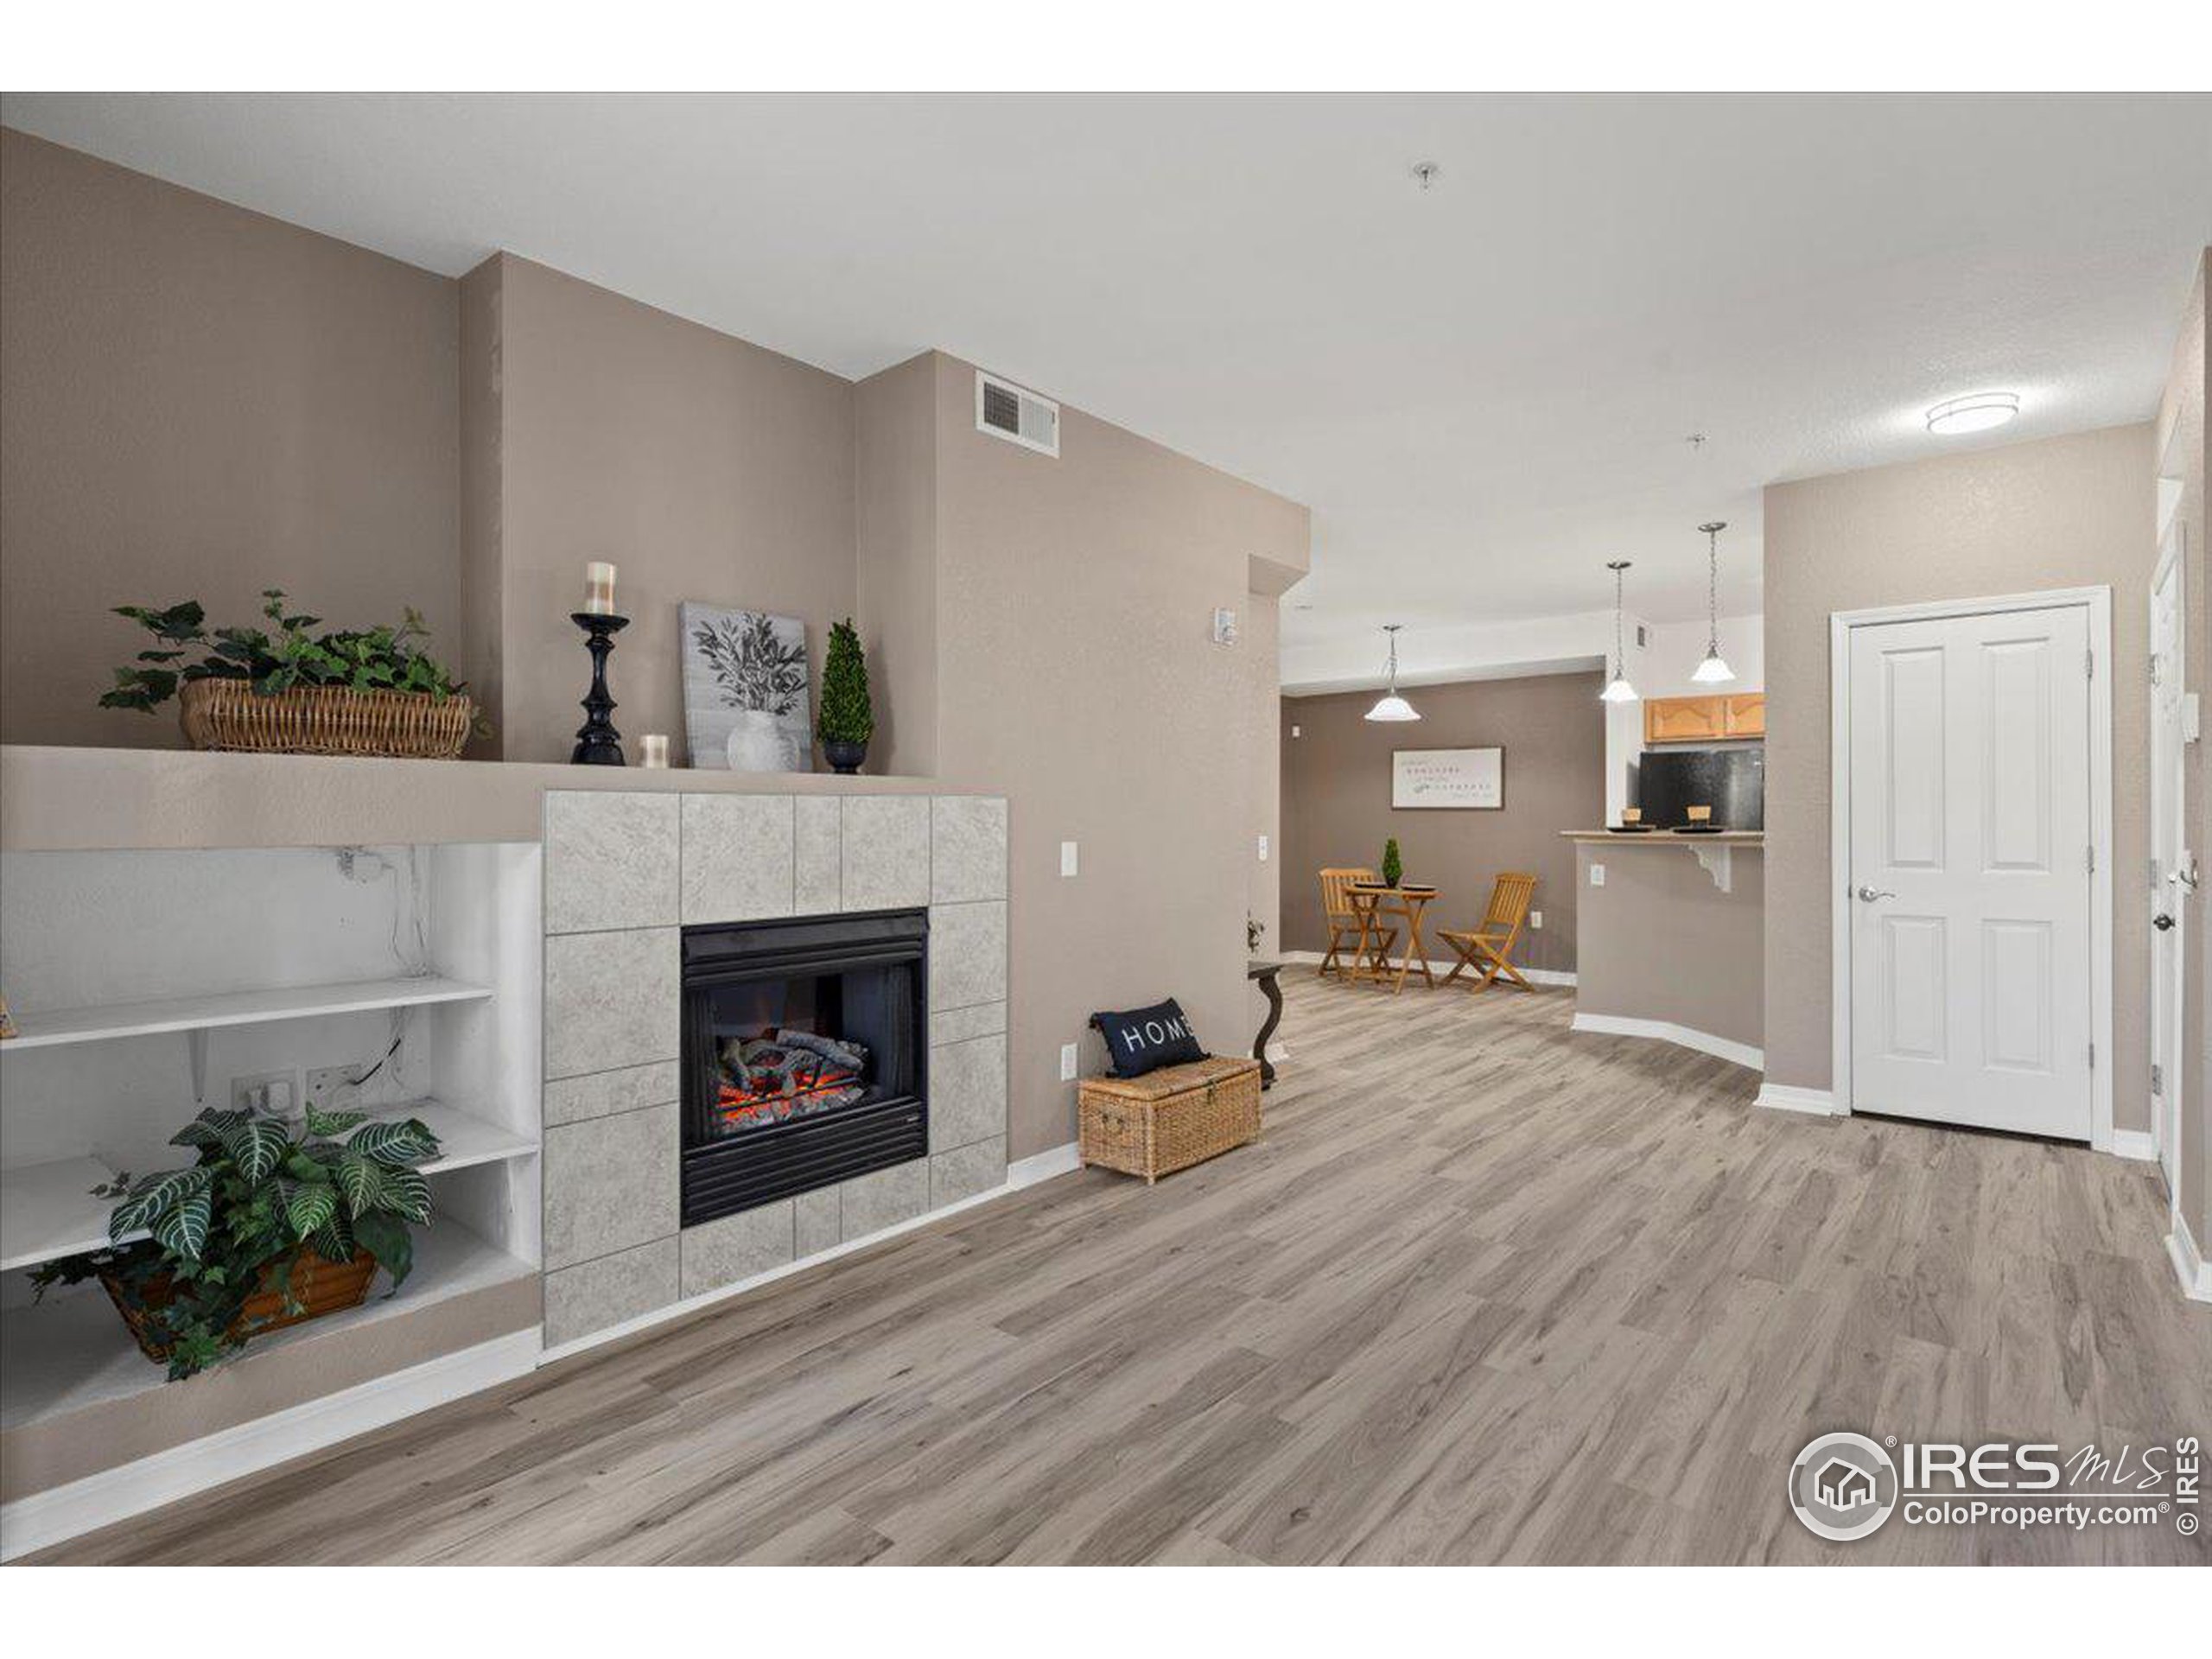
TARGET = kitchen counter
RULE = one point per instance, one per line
(1671, 947)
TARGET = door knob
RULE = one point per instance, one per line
(2162, 923)
(1870, 894)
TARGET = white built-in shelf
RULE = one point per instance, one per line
(38, 1030)
(48, 1210)
(72, 1351)
(464, 1138)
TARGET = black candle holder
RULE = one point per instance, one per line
(598, 744)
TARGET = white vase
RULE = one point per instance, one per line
(756, 743)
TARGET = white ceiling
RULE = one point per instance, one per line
(1483, 392)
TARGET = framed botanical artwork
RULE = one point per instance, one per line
(1448, 778)
(745, 703)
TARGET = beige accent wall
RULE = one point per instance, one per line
(2060, 513)
(703, 466)
(2182, 453)
(1659, 941)
(1076, 670)
(895, 436)
(197, 402)
(1336, 801)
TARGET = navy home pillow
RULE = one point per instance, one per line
(1144, 1039)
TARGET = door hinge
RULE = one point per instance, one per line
(2090, 859)
(2153, 666)
(2089, 664)
(2157, 1079)
(2093, 1057)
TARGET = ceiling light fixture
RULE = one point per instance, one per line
(1713, 670)
(1425, 172)
(1617, 689)
(1977, 411)
(1390, 705)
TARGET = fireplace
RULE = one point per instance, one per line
(803, 1058)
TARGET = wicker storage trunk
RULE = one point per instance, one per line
(1169, 1119)
(325, 719)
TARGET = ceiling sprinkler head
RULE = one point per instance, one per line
(1425, 174)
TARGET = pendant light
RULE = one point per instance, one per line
(1390, 705)
(1713, 670)
(1617, 689)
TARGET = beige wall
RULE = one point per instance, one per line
(197, 402)
(2061, 512)
(1660, 942)
(895, 437)
(703, 466)
(2180, 453)
(1076, 670)
(1336, 801)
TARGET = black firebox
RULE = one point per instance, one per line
(805, 1062)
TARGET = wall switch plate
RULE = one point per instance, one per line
(1294, 731)
(1597, 876)
(1225, 626)
(1536, 919)
(1067, 1062)
(1263, 850)
(1067, 858)
(276, 1093)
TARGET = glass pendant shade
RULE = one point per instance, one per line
(1390, 705)
(1713, 670)
(1617, 689)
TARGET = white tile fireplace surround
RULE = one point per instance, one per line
(625, 874)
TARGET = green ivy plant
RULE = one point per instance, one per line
(1393, 869)
(848, 715)
(263, 1190)
(383, 658)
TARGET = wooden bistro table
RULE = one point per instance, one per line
(1408, 903)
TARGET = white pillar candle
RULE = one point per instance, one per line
(653, 751)
(599, 590)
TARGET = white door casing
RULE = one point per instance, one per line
(1973, 791)
(2169, 856)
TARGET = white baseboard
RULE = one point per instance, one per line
(1535, 975)
(2190, 1265)
(1616, 1025)
(1027, 1172)
(2134, 1143)
(43, 1518)
(1788, 1097)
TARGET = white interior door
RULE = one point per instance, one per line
(2168, 915)
(1970, 994)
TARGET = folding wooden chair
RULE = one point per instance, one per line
(1500, 931)
(1347, 922)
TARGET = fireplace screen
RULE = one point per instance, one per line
(803, 1055)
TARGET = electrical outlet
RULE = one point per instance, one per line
(1597, 876)
(1536, 919)
(1263, 850)
(1067, 858)
(1067, 1062)
(1294, 731)
(329, 1086)
(272, 1092)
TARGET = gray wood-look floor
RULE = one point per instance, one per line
(1486, 1291)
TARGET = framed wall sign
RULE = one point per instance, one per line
(1448, 778)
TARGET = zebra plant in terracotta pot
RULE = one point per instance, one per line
(279, 1220)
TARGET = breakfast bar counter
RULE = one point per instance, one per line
(1670, 937)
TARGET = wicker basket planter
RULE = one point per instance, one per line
(319, 1286)
(224, 713)
(1169, 1119)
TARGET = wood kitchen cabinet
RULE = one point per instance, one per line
(1705, 720)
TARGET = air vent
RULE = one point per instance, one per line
(1005, 410)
